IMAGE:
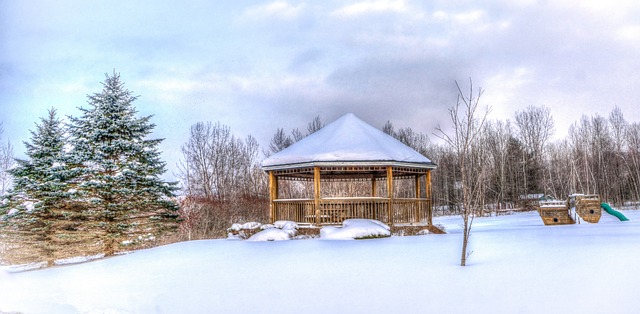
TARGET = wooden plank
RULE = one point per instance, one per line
(273, 195)
(390, 194)
(427, 181)
(428, 184)
(316, 192)
(417, 209)
(373, 187)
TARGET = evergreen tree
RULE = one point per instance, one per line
(39, 189)
(41, 177)
(118, 169)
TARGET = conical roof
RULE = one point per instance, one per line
(347, 140)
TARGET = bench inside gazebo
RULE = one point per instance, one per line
(350, 169)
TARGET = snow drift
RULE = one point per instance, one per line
(518, 265)
(356, 229)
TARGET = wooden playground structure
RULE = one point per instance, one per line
(558, 212)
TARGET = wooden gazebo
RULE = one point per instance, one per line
(395, 178)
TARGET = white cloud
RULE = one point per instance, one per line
(628, 33)
(503, 91)
(368, 7)
(472, 21)
(278, 9)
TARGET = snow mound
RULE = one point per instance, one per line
(246, 226)
(273, 234)
(235, 227)
(280, 230)
(356, 229)
(267, 226)
(285, 225)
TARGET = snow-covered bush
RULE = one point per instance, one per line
(356, 229)
(273, 234)
(280, 230)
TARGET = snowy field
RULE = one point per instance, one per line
(517, 266)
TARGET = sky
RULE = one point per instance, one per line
(257, 66)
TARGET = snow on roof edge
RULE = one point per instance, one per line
(429, 165)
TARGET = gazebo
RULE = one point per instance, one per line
(396, 178)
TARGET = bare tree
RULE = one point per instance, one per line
(280, 141)
(497, 136)
(222, 181)
(195, 169)
(621, 178)
(467, 127)
(313, 126)
(535, 126)
(296, 135)
(7, 161)
(632, 137)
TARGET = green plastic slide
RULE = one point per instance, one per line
(613, 212)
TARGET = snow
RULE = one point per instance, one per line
(280, 230)
(251, 225)
(79, 259)
(355, 229)
(286, 225)
(29, 205)
(347, 139)
(273, 234)
(267, 226)
(518, 265)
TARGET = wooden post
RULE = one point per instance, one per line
(273, 195)
(373, 187)
(316, 192)
(390, 193)
(418, 213)
(428, 196)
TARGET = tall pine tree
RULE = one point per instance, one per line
(119, 169)
(39, 192)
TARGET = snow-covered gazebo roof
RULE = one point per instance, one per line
(348, 141)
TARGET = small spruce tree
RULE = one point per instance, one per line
(42, 177)
(118, 170)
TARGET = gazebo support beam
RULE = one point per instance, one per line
(428, 196)
(373, 187)
(316, 192)
(419, 209)
(390, 193)
(273, 195)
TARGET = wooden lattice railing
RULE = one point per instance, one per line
(336, 210)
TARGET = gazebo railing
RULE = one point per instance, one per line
(299, 210)
(336, 210)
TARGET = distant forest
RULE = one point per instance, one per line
(600, 155)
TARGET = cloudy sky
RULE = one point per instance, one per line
(259, 65)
